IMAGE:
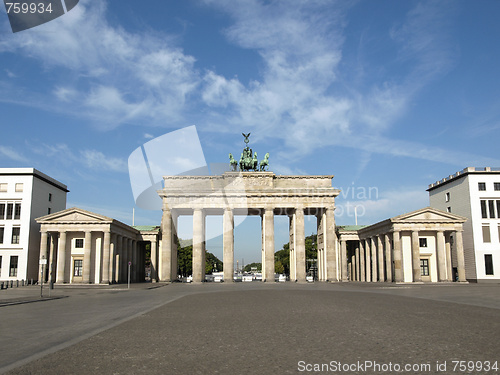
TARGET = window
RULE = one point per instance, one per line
(13, 266)
(15, 235)
(422, 242)
(3, 188)
(2, 231)
(424, 267)
(79, 243)
(78, 267)
(447, 197)
(488, 264)
(486, 234)
(481, 186)
(19, 188)
(2, 211)
(50, 197)
(496, 186)
(491, 206)
(48, 211)
(448, 209)
(0, 266)
(10, 210)
(484, 211)
(17, 211)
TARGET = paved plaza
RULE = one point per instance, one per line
(254, 328)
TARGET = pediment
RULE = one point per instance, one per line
(428, 214)
(74, 215)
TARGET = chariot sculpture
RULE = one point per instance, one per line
(248, 159)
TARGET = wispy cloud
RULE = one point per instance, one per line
(12, 154)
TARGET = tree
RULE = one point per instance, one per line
(248, 267)
(282, 257)
(212, 263)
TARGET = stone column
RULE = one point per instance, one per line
(460, 256)
(173, 258)
(415, 257)
(228, 244)
(43, 254)
(343, 249)
(368, 259)
(441, 255)
(291, 221)
(381, 264)
(398, 257)
(112, 254)
(61, 258)
(388, 261)
(330, 243)
(105, 257)
(320, 245)
(374, 259)
(87, 248)
(166, 245)
(300, 246)
(362, 269)
(449, 262)
(154, 261)
(268, 241)
(117, 260)
(356, 264)
(198, 239)
(51, 257)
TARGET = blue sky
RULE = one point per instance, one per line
(389, 95)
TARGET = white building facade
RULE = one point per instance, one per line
(25, 194)
(475, 194)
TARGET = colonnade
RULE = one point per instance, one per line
(327, 254)
(105, 259)
(380, 257)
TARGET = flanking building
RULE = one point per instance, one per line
(25, 194)
(474, 193)
(419, 246)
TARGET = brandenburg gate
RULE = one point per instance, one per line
(250, 193)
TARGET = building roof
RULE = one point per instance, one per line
(146, 228)
(33, 172)
(464, 172)
(350, 228)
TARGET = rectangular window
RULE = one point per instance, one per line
(50, 197)
(424, 267)
(10, 211)
(13, 266)
(484, 211)
(448, 209)
(3, 188)
(2, 211)
(0, 266)
(498, 209)
(2, 231)
(48, 211)
(78, 267)
(19, 188)
(17, 211)
(491, 206)
(481, 186)
(496, 186)
(79, 243)
(447, 197)
(488, 264)
(422, 242)
(486, 234)
(15, 235)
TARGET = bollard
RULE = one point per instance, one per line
(1, 285)
(11, 283)
(22, 282)
(17, 283)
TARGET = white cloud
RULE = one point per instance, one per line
(98, 161)
(12, 154)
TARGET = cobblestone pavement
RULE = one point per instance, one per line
(254, 328)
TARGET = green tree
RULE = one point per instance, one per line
(212, 263)
(248, 267)
(282, 257)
